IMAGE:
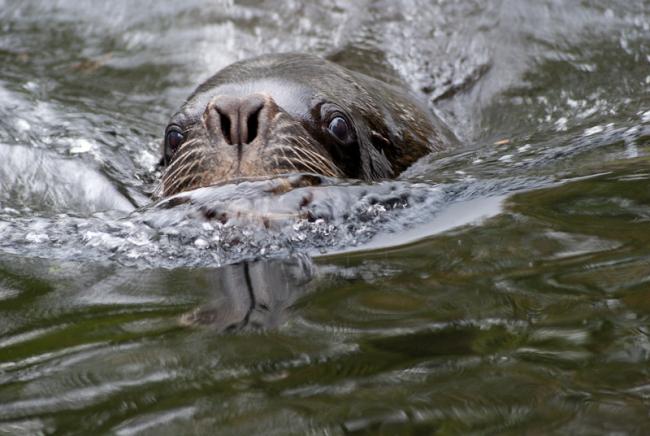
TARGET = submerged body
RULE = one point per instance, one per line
(290, 113)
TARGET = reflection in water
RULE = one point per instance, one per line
(252, 295)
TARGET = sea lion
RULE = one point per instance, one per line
(294, 113)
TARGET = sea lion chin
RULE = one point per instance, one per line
(294, 113)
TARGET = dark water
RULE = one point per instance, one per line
(502, 287)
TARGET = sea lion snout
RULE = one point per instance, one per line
(239, 121)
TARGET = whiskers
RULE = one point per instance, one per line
(301, 157)
(184, 171)
(200, 163)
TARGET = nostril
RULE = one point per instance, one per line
(227, 110)
(240, 119)
(252, 124)
(225, 127)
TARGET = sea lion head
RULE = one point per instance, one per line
(293, 113)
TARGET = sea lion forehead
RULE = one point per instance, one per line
(295, 98)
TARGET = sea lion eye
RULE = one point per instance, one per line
(174, 139)
(339, 128)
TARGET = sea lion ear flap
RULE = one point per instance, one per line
(374, 163)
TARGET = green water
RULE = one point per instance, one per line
(535, 320)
